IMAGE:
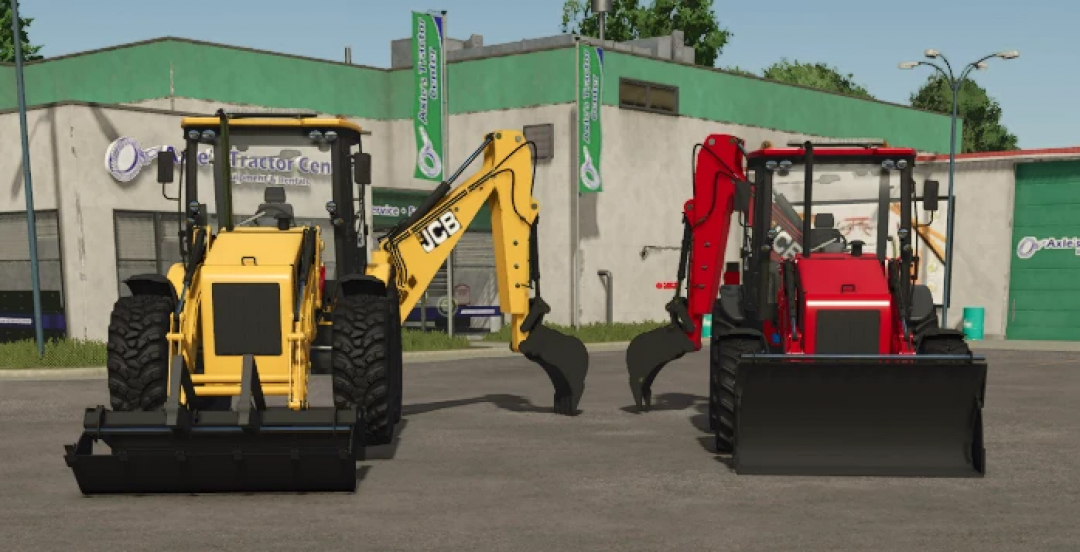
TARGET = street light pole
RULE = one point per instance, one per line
(31, 222)
(954, 86)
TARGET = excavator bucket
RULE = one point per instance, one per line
(565, 360)
(250, 449)
(887, 415)
(563, 357)
(648, 353)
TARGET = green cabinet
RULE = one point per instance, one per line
(1044, 282)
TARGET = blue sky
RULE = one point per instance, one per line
(1036, 91)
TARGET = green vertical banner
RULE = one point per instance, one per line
(590, 68)
(428, 106)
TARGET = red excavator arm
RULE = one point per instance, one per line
(720, 189)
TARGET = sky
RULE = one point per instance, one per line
(867, 39)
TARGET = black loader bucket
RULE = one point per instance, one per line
(887, 415)
(648, 353)
(250, 449)
(563, 357)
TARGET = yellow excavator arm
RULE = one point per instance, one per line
(412, 254)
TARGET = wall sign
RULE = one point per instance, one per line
(124, 158)
(1030, 245)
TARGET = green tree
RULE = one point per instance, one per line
(983, 130)
(815, 75)
(7, 42)
(740, 71)
(629, 20)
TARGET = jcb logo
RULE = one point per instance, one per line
(438, 230)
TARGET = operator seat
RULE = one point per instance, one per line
(277, 212)
(823, 232)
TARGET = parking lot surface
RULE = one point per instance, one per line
(480, 463)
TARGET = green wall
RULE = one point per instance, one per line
(141, 71)
(1044, 289)
(717, 96)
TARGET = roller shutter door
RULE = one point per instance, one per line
(1044, 283)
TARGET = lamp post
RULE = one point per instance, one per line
(601, 8)
(20, 88)
(954, 85)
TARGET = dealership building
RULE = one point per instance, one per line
(96, 118)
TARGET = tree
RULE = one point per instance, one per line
(983, 130)
(7, 42)
(740, 71)
(628, 20)
(816, 75)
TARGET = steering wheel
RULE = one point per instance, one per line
(843, 240)
(266, 210)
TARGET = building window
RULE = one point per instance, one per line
(15, 252)
(149, 243)
(139, 245)
(648, 96)
(16, 285)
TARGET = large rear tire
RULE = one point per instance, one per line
(723, 396)
(138, 353)
(366, 362)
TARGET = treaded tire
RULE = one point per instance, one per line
(138, 353)
(365, 362)
(723, 398)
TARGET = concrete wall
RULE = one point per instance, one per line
(646, 182)
(982, 248)
(68, 145)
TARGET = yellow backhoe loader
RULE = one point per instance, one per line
(250, 314)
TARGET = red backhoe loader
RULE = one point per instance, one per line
(826, 358)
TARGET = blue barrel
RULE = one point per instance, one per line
(973, 322)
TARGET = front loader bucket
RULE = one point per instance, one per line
(565, 360)
(177, 450)
(648, 353)
(889, 415)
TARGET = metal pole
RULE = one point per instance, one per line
(575, 193)
(446, 163)
(28, 187)
(955, 85)
(603, 16)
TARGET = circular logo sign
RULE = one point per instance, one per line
(125, 158)
(445, 305)
(1027, 247)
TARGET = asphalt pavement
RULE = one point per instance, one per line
(481, 464)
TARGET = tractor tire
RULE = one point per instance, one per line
(943, 346)
(138, 353)
(366, 362)
(723, 397)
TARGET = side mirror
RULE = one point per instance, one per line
(930, 195)
(742, 196)
(165, 166)
(362, 168)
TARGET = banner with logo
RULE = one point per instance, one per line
(429, 96)
(590, 71)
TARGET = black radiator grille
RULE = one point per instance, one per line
(850, 332)
(247, 319)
